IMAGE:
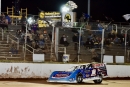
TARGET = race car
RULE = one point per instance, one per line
(81, 73)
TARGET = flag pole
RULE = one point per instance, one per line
(126, 17)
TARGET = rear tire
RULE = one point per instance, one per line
(99, 81)
(79, 78)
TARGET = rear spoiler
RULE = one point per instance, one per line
(99, 65)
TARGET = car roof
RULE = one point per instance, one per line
(82, 64)
(88, 63)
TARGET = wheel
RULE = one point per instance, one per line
(79, 78)
(99, 81)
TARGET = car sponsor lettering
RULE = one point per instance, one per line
(61, 75)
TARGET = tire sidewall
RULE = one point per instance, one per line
(79, 78)
(99, 81)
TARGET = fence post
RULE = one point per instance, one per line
(33, 51)
(24, 51)
(65, 50)
(18, 44)
(16, 21)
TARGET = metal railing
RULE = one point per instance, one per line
(64, 49)
(12, 37)
(26, 48)
(2, 33)
(9, 40)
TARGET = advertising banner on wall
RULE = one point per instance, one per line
(48, 16)
(68, 18)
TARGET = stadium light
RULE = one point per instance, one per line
(65, 9)
(69, 6)
(30, 20)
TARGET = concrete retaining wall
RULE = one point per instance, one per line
(31, 70)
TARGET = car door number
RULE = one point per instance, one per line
(93, 72)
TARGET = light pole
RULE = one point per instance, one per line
(102, 42)
(0, 6)
(52, 41)
(88, 7)
(126, 31)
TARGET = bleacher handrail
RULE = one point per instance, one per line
(2, 33)
(8, 36)
(26, 49)
(14, 41)
(13, 36)
(30, 47)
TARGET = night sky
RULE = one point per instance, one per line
(111, 8)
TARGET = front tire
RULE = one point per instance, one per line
(99, 81)
(79, 78)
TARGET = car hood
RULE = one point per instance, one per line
(59, 74)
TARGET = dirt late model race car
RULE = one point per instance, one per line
(80, 73)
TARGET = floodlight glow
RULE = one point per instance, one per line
(30, 20)
(65, 9)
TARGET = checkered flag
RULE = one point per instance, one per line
(126, 17)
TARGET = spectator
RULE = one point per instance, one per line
(34, 28)
(50, 35)
(75, 40)
(90, 36)
(13, 48)
(100, 27)
(8, 19)
(18, 33)
(4, 23)
(41, 41)
(63, 40)
(89, 44)
(28, 40)
(30, 36)
(117, 40)
(23, 23)
(107, 43)
(2, 17)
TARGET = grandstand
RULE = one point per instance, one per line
(85, 54)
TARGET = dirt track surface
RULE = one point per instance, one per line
(43, 83)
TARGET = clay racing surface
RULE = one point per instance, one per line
(43, 83)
